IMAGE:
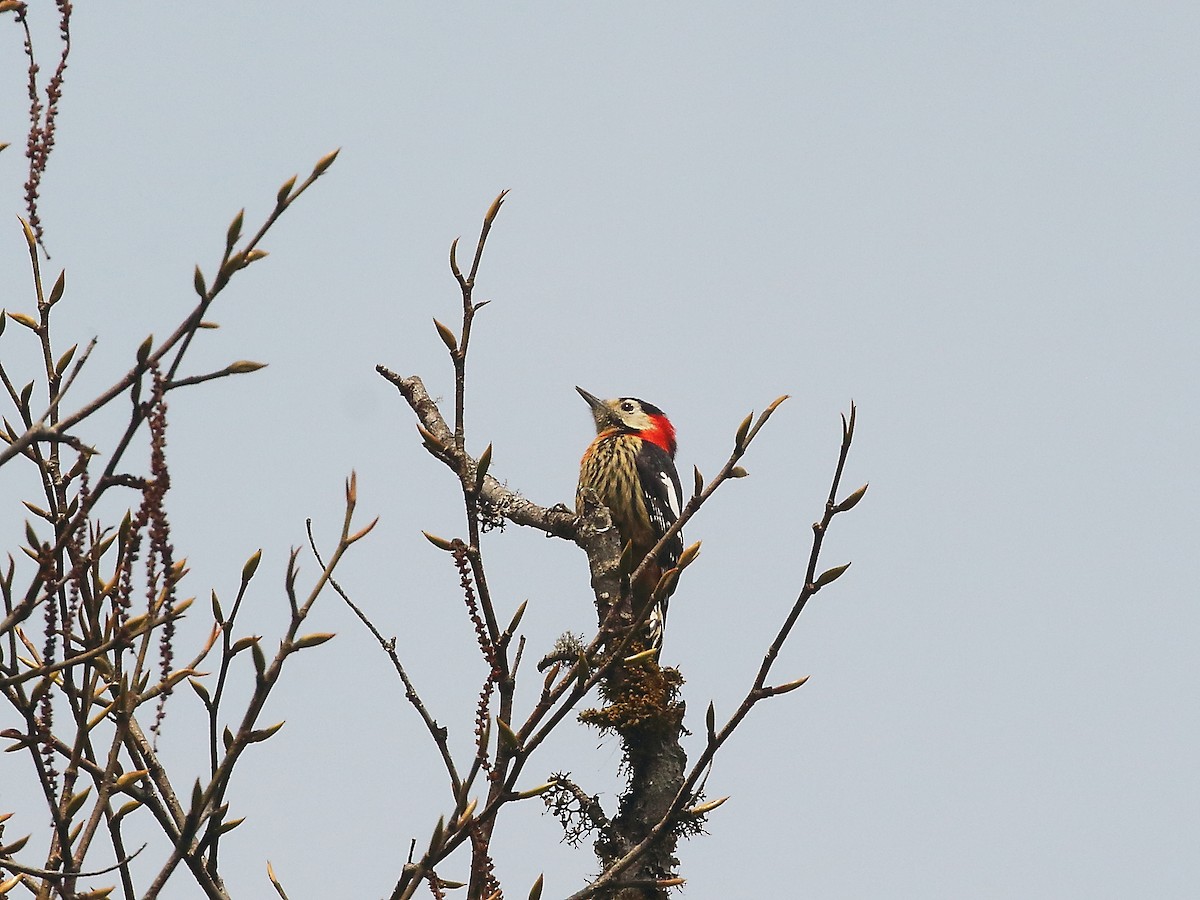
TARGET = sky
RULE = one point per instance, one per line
(979, 223)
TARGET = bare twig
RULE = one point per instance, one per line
(436, 731)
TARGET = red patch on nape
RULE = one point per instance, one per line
(662, 433)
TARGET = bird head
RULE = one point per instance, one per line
(632, 416)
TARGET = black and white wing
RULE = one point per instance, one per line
(664, 497)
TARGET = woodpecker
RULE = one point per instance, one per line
(631, 468)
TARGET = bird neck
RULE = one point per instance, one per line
(660, 432)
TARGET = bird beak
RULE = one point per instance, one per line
(600, 410)
(598, 406)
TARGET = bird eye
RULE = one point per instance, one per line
(627, 406)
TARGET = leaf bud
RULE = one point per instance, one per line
(28, 321)
(439, 542)
(313, 640)
(250, 567)
(830, 575)
(244, 366)
(851, 501)
(60, 285)
(235, 229)
(739, 442)
(285, 190)
(446, 335)
(325, 162)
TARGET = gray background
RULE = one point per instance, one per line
(977, 221)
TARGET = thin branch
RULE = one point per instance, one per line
(13, 865)
(182, 336)
(437, 732)
(558, 521)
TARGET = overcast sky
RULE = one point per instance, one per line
(977, 221)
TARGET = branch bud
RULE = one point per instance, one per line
(260, 660)
(285, 191)
(29, 237)
(785, 688)
(325, 162)
(848, 425)
(495, 207)
(688, 556)
(235, 229)
(60, 285)
(74, 804)
(435, 841)
(508, 737)
(312, 640)
(446, 335)
(28, 321)
(516, 619)
(15, 847)
(242, 643)
(363, 532)
(262, 734)
(481, 467)
(830, 575)
(129, 778)
(739, 442)
(439, 542)
(243, 366)
(65, 360)
(666, 584)
(467, 813)
(201, 692)
(249, 568)
(534, 792)
(702, 808)
(851, 501)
